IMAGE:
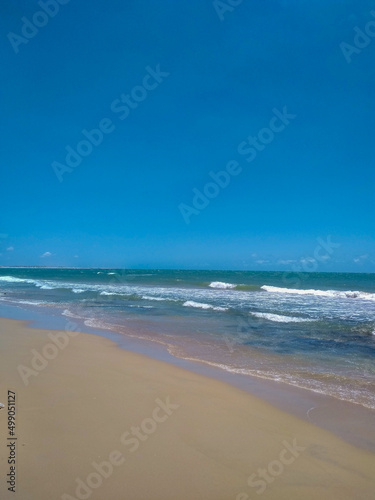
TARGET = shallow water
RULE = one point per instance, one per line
(316, 333)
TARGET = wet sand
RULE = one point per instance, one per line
(95, 421)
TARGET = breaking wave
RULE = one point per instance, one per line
(199, 305)
(221, 285)
(349, 294)
(279, 318)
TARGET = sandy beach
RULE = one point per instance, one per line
(95, 421)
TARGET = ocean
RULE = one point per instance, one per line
(315, 331)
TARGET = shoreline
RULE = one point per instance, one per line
(349, 421)
(159, 431)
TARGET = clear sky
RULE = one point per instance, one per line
(277, 93)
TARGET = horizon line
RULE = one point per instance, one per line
(179, 269)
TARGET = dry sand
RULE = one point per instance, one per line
(164, 433)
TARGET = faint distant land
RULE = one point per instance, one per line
(44, 267)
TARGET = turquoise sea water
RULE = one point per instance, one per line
(315, 330)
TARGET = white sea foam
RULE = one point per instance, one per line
(314, 386)
(69, 314)
(78, 290)
(24, 302)
(278, 318)
(142, 307)
(159, 299)
(11, 279)
(94, 323)
(109, 293)
(97, 323)
(31, 302)
(198, 305)
(222, 285)
(348, 294)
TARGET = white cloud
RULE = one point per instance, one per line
(307, 260)
(46, 254)
(325, 257)
(361, 258)
(262, 261)
(9, 249)
(286, 262)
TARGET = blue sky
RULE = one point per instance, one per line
(217, 75)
